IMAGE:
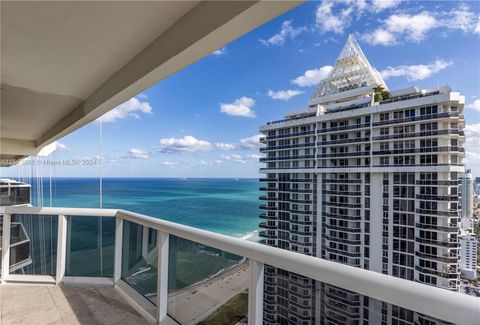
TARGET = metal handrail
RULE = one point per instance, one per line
(456, 308)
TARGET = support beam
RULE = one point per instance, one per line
(61, 248)
(117, 268)
(7, 219)
(162, 280)
(255, 293)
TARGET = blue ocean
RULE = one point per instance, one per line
(226, 206)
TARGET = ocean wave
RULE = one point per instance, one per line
(250, 236)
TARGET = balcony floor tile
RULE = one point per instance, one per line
(43, 304)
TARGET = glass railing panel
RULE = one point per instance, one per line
(206, 285)
(14, 195)
(290, 298)
(140, 259)
(90, 246)
(33, 244)
(1, 240)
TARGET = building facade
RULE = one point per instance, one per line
(366, 177)
(468, 239)
(468, 252)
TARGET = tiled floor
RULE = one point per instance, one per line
(26, 304)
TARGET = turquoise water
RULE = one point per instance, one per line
(226, 206)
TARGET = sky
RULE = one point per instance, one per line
(204, 120)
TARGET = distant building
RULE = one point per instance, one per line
(468, 254)
(476, 185)
(466, 190)
(467, 238)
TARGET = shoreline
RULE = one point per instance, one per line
(197, 302)
(250, 236)
(243, 264)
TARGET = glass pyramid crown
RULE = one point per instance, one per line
(352, 71)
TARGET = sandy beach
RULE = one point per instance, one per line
(194, 304)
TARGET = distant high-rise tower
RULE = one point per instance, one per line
(466, 189)
(367, 177)
(468, 239)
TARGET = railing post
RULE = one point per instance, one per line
(7, 218)
(162, 280)
(255, 293)
(117, 270)
(61, 248)
(145, 241)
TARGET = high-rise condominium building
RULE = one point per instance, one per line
(467, 238)
(466, 193)
(366, 177)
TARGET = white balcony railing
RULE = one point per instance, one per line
(435, 302)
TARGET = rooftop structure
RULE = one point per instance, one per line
(351, 76)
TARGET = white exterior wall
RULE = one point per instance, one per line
(468, 253)
(467, 196)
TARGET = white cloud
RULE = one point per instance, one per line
(472, 147)
(191, 144)
(380, 5)
(379, 37)
(219, 52)
(416, 72)
(472, 135)
(472, 161)
(235, 158)
(186, 144)
(253, 156)
(312, 77)
(475, 105)
(210, 163)
(169, 164)
(250, 142)
(402, 26)
(284, 94)
(328, 21)
(243, 159)
(337, 15)
(138, 154)
(128, 109)
(414, 26)
(287, 31)
(225, 146)
(461, 18)
(61, 146)
(240, 107)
